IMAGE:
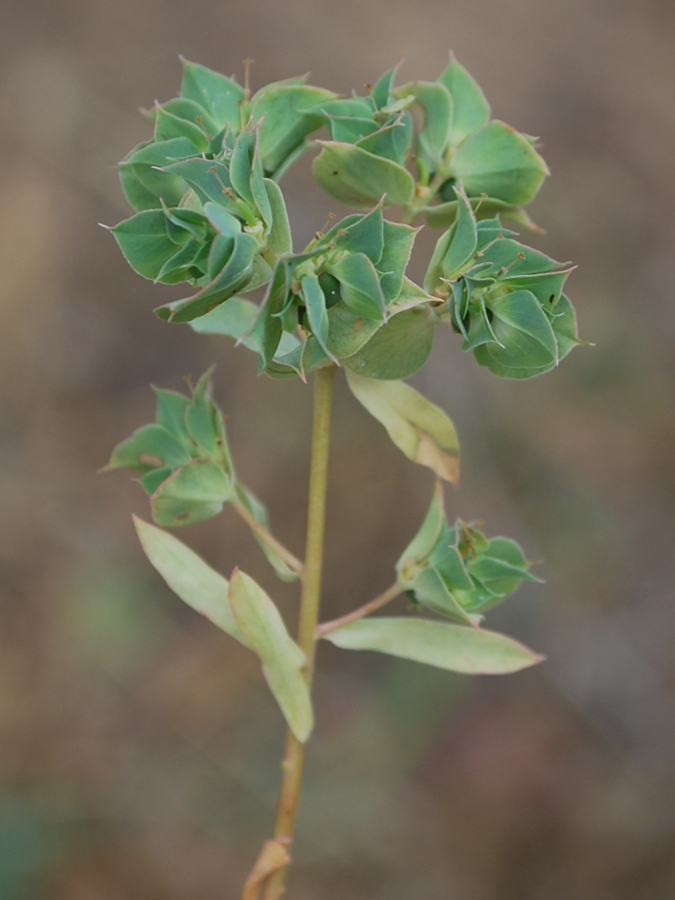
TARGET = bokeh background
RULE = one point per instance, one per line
(138, 746)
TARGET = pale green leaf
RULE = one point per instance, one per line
(458, 648)
(188, 576)
(282, 660)
(419, 428)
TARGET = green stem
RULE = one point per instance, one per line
(294, 758)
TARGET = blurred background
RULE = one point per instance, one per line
(138, 745)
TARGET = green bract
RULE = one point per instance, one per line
(505, 298)
(456, 571)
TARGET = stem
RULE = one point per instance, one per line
(377, 603)
(294, 758)
(291, 561)
(424, 197)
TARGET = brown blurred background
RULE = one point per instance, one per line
(138, 746)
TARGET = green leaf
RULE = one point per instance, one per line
(195, 492)
(419, 428)
(564, 324)
(220, 96)
(431, 591)
(398, 240)
(390, 142)
(524, 331)
(188, 576)
(421, 546)
(398, 349)
(284, 122)
(152, 480)
(137, 195)
(210, 178)
(147, 160)
(501, 163)
(470, 109)
(267, 328)
(282, 660)
(470, 651)
(315, 303)
(144, 242)
(350, 129)
(456, 248)
(359, 234)
(279, 239)
(150, 447)
(169, 126)
(436, 103)
(383, 88)
(170, 413)
(359, 286)
(443, 215)
(348, 332)
(259, 512)
(233, 277)
(222, 220)
(358, 178)
(233, 319)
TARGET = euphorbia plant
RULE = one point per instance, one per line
(210, 213)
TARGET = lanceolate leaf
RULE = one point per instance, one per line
(421, 546)
(419, 428)
(470, 651)
(188, 576)
(281, 658)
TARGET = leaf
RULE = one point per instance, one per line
(315, 303)
(398, 242)
(471, 651)
(436, 103)
(259, 512)
(359, 286)
(444, 214)
(210, 178)
(284, 122)
(282, 660)
(398, 349)
(501, 163)
(350, 129)
(390, 142)
(431, 591)
(220, 96)
(470, 109)
(150, 447)
(193, 493)
(421, 546)
(148, 160)
(419, 428)
(233, 319)
(564, 325)
(524, 331)
(137, 195)
(169, 126)
(359, 234)
(358, 178)
(170, 412)
(348, 332)
(454, 249)
(144, 242)
(279, 240)
(232, 278)
(188, 576)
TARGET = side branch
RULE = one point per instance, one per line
(377, 603)
(291, 561)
